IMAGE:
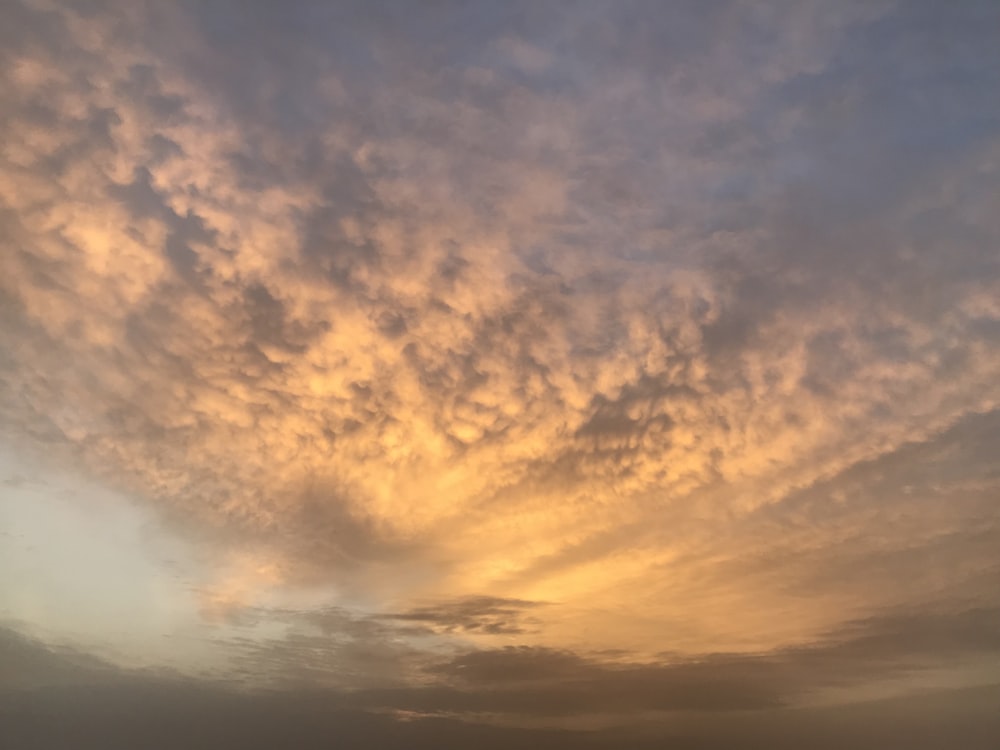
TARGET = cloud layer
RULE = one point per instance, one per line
(582, 341)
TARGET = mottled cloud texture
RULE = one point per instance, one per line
(515, 368)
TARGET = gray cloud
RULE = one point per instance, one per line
(207, 719)
(374, 664)
(108, 706)
(486, 614)
(32, 664)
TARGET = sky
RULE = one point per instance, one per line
(435, 374)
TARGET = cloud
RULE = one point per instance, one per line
(682, 321)
(401, 664)
(33, 664)
(155, 717)
(486, 614)
(527, 681)
(111, 707)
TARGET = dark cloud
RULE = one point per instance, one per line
(479, 614)
(110, 708)
(527, 681)
(365, 653)
(31, 664)
(155, 717)
(523, 680)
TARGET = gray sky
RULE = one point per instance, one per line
(573, 374)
